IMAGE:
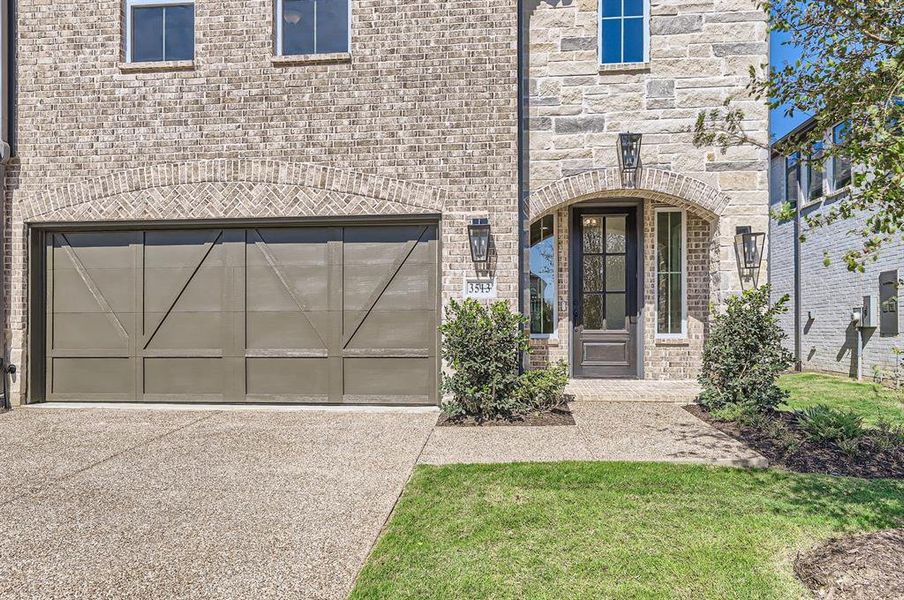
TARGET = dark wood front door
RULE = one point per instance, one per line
(604, 248)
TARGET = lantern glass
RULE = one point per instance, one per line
(629, 150)
(479, 238)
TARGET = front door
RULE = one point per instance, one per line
(604, 248)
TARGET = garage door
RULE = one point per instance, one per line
(286, 315)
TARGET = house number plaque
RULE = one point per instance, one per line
(480, 288)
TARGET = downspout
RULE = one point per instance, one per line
(798, 303)
(5, 83)
(522, 166)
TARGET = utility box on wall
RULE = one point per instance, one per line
(888, 303)
(869, 316)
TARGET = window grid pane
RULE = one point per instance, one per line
(314, 26)
(622, 38)
(669, 273)
(159, 33)
(542, 276)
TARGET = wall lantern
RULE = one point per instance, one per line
(629, 157)
(479, 237)
(749, 252)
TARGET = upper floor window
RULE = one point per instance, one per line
(624, 31)
(841, 165)
(815, 172)
(543, 277)
(312, 26)
(792, 178)
(158, 30)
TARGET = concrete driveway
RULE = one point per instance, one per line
(259, 503)
(118, 503)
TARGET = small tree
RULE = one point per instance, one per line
(483, 345)
(744, 355)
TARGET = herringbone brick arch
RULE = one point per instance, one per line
(221, 189)
(655, 184)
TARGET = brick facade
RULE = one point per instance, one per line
(419, 118)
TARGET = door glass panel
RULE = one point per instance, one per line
(615, 234)
(615, 311)
(593, 311)
(615, 273)
(593, 273)
(593, 234)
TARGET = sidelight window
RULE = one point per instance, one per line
(671, 273)
(543, 277)
(312, 26)
(160, 30)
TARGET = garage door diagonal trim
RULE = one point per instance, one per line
(381, 287)
(204, 253)
(92, 287)
(284, 281)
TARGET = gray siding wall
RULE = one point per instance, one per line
(829, 292)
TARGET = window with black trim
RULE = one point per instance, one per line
(841, 165)
(543, 277)
(312, 26)
(815, 172)
(160, 30)
(792, 178)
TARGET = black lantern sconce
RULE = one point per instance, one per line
(749, 253)
(629, 157)
(479, 238)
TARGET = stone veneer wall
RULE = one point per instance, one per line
(426, 98)
(700, 53)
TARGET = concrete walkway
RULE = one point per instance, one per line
(630, 431)
(258, 503)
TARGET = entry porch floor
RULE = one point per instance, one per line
(683, 391)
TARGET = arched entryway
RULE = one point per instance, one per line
(621, 279)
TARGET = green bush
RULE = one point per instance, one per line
(744, 355)
(542, 389)
(885, 436)
(483, 345)
(822, 423)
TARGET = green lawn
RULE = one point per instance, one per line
(613, 530)
(867, 399)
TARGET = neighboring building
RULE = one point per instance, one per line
(823, 293)
(269, 200)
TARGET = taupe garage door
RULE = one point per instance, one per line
(264, 314)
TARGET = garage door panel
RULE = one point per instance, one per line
(90, 330)
(287, 329)
(182, 248)
(73, 294)
(387, 377)
(288, 377)
(183, 329)
(412, 329)
(94, 250)
(89, 376)
(184, 376)
(299, 314)
(307, 285)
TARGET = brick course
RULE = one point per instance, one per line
(419, 118)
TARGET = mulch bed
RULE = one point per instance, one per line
(860, 567)
(554, 417)
(812, 457)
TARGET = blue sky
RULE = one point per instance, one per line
(780, 53)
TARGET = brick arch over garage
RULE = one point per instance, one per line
(231, 188)
(655, 184)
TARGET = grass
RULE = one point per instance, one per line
(613, 530)
(869, 400)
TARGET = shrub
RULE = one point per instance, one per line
(743, 355)
(885, 436)
(542, 389)
(822, 423)
(483, 345)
